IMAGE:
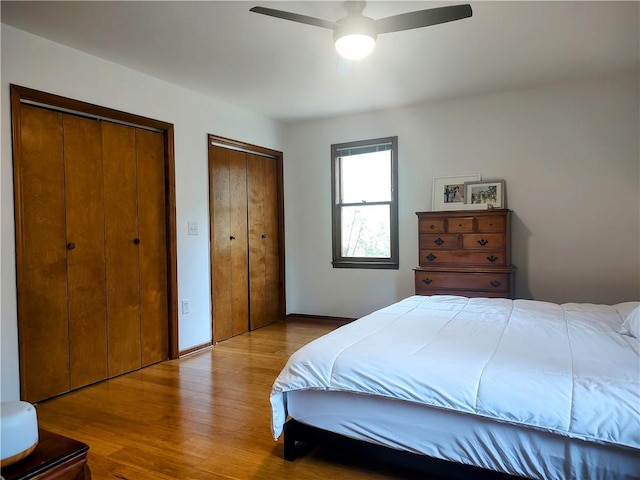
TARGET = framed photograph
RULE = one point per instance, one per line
(449, 192)
(489, 193)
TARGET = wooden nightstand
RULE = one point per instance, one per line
(55, 458)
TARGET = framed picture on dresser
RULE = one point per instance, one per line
(449, 192)
(489, 193)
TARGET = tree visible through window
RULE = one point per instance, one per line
(365, 211)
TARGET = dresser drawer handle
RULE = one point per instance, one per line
(482, 242)
(431, 257)
(438, 241)
(495, 284)
(432, 227)
(427, 281)
(492, 258)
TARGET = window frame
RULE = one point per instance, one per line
(391, 262)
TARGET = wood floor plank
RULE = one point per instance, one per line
(205, 416)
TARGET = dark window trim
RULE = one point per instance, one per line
(339, 261)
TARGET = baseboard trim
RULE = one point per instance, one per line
(324, 318)
(196, 349)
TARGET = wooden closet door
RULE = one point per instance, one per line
(264, 285)
(154, 323)
(86, 254)
(121, 230)
(271, 244)
(94, 242)
(239, 254)
(229, 257)
(42, 282)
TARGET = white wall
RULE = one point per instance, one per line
(569, 154)
(37, 63)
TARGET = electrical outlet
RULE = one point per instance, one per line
(185, 306)
(192, 228)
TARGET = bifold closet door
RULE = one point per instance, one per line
(229, 258)
(154, 299)
(135, 247)
(85, 250)
(42, 282)
(264, 285)
(61, 293)
(92, 239)
(121, 248)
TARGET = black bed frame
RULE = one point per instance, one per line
(300, 438)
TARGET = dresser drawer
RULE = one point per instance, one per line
(452, 281)
(483, 241)
(462, 293)
(439, 242)
(431, 225)
(460, 225)
(497, 223)
(462, 257)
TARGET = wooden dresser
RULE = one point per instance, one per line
(465, 252)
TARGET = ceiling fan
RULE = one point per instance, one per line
(355, 35)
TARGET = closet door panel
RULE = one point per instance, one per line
(229, 258)
(239, 257)
(271, 244)
(153, 247)
(264, 256)
(220, 228)
(257, 238)
(42, 273)
(86, 257)
(121, 231)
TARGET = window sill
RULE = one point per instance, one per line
(382, 265)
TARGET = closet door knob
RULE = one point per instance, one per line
(263, 236)
(71, 246)
(232, 237)
(136, 241)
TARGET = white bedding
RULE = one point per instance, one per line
(462, 438)
(564, 369)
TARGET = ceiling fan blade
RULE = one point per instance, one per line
(294, 17)
(423, 18)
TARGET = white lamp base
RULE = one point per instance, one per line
(19, 431)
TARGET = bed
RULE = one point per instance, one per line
(526, 388)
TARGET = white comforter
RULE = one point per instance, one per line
(559, 368)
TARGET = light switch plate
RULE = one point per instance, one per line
(185, 306)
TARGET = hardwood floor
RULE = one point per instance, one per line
(206, 416)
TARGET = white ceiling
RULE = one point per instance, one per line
(291, 71)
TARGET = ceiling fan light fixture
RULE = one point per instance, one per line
(355, 46)
(355, 36)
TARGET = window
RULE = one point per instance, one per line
(365, 203)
